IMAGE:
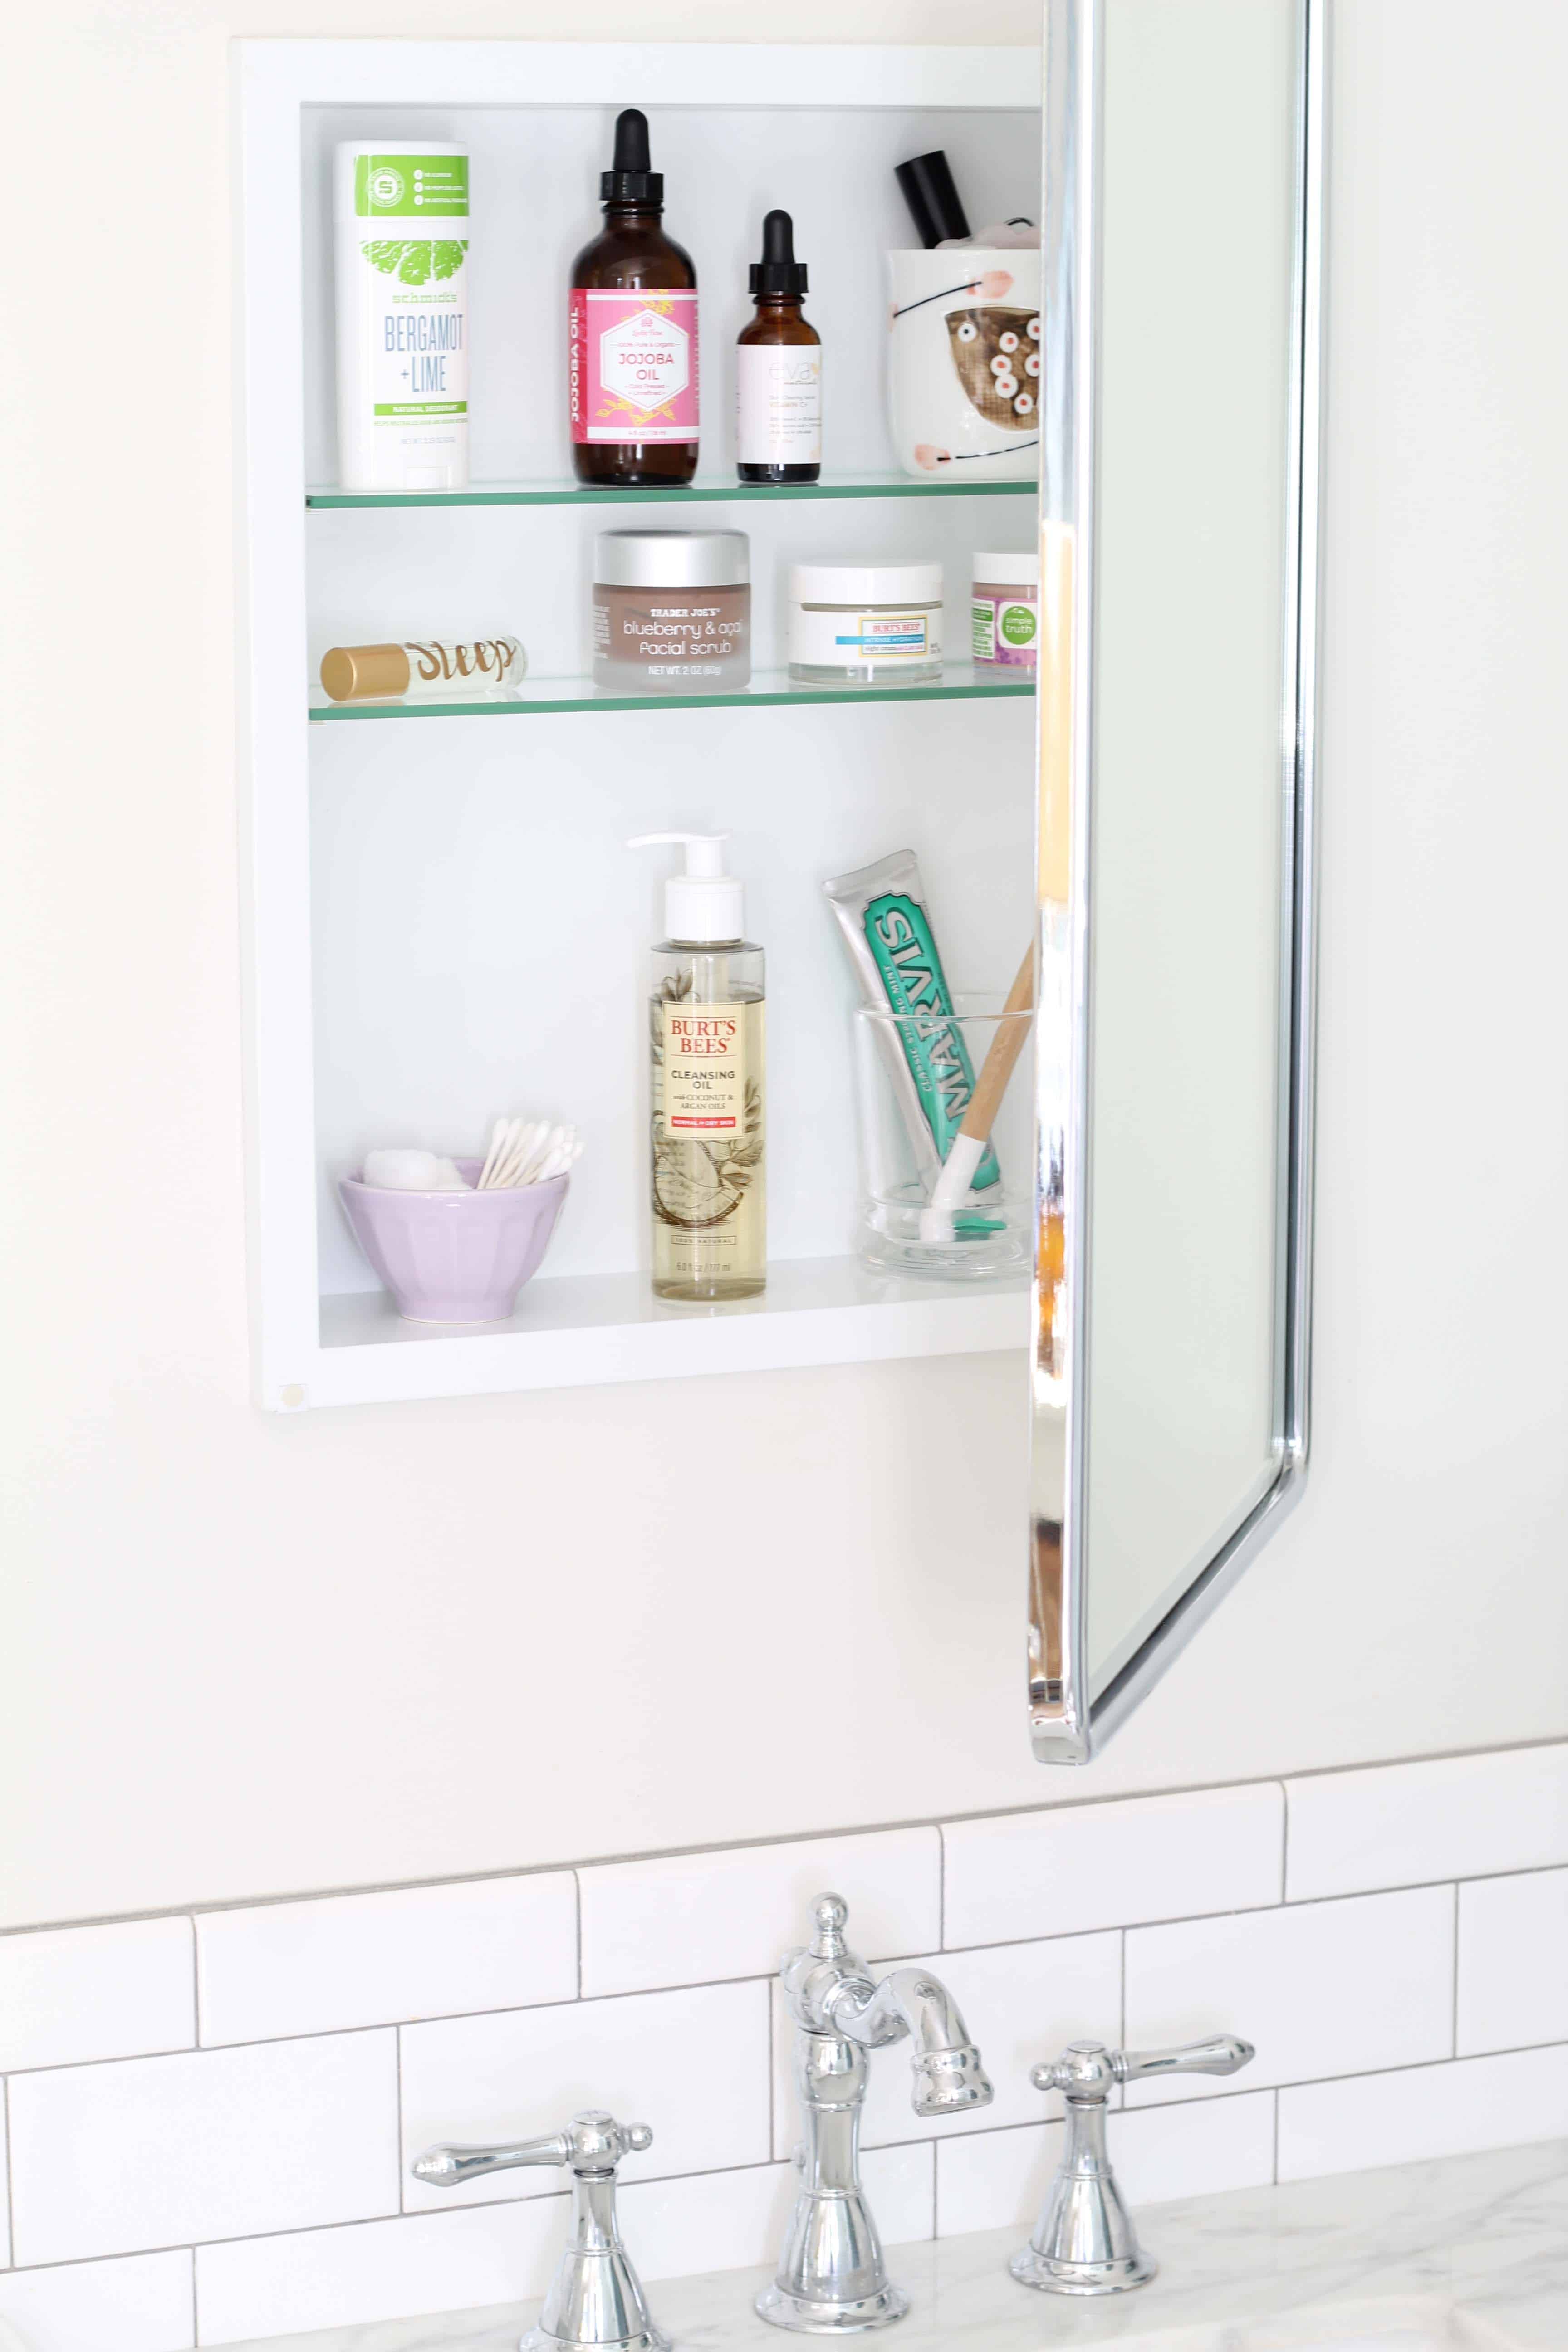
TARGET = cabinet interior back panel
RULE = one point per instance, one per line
(480, 931)
(535, 179)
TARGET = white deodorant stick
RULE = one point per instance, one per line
(401, 210)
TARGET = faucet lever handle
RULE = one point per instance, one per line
(1224, 2055)
(593, 2143)
(1088, 2072)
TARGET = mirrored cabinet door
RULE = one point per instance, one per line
(1182, 211)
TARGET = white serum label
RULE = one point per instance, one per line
(778, 404)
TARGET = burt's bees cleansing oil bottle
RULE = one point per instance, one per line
(708, 1135)
(634, 333)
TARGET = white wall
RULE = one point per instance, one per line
(238, 1655)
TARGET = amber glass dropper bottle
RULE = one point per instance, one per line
(778, 370)
(634, 382)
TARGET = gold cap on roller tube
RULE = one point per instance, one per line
(364, 672)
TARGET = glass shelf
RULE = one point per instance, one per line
(543, 696)
(726, 492)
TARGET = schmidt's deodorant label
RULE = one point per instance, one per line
(402, 318)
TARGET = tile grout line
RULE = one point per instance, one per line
(795, 1837)
(773, 2072)
(1122, 2018)
(196, 2304)
(1455, 2051)
(1274, 2168)
(195, 1985)
(401, 2183)
(1284, 1841)
(10, 2170)
(941, 1888)
(577, 1924)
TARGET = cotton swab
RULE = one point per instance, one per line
(497, 1136)
(528, 1151)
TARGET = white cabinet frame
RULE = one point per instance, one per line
(815, 1311)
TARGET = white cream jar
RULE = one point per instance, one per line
(864, 623)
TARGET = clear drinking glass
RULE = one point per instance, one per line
(914, 1075)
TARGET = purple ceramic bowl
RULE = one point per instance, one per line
(453, 1257)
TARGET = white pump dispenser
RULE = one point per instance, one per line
(704, 904)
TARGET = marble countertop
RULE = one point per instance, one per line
(1463, 2254)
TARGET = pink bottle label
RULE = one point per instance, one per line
(634, 365)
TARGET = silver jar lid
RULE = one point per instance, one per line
(672, 559)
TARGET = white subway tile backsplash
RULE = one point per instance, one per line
(902, 2185)
(1320, 1988)
(140, 2304)
(378, 2270)
(1021, 2003)
(1401, 1825)
(721, 2221)
(698, 1917)
(1451, 2110)
(1076, 1867)
(1001, 2179)
(1195, 2149)
(5, 2187)
(1513, 1961)
(694, 2064)
(69, 1994)
(276, 2146)
(347, 1961)
(151, 2152)
(995, 2180)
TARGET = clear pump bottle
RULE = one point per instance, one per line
(709, 1092)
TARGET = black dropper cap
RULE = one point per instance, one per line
(778, 276)
(628, 180)
(932, 198)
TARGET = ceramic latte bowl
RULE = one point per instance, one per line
(453, 1257)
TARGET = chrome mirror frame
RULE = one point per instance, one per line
(1068, 1722)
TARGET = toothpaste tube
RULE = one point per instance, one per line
(882, 912)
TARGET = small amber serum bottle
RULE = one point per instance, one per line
(778, 370)
(708, 1099)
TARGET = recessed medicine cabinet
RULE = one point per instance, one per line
(446, 925)
(443, 923)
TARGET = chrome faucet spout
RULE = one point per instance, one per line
(948, 2075)
(832, 2277)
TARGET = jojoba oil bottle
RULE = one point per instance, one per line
(634, 380)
